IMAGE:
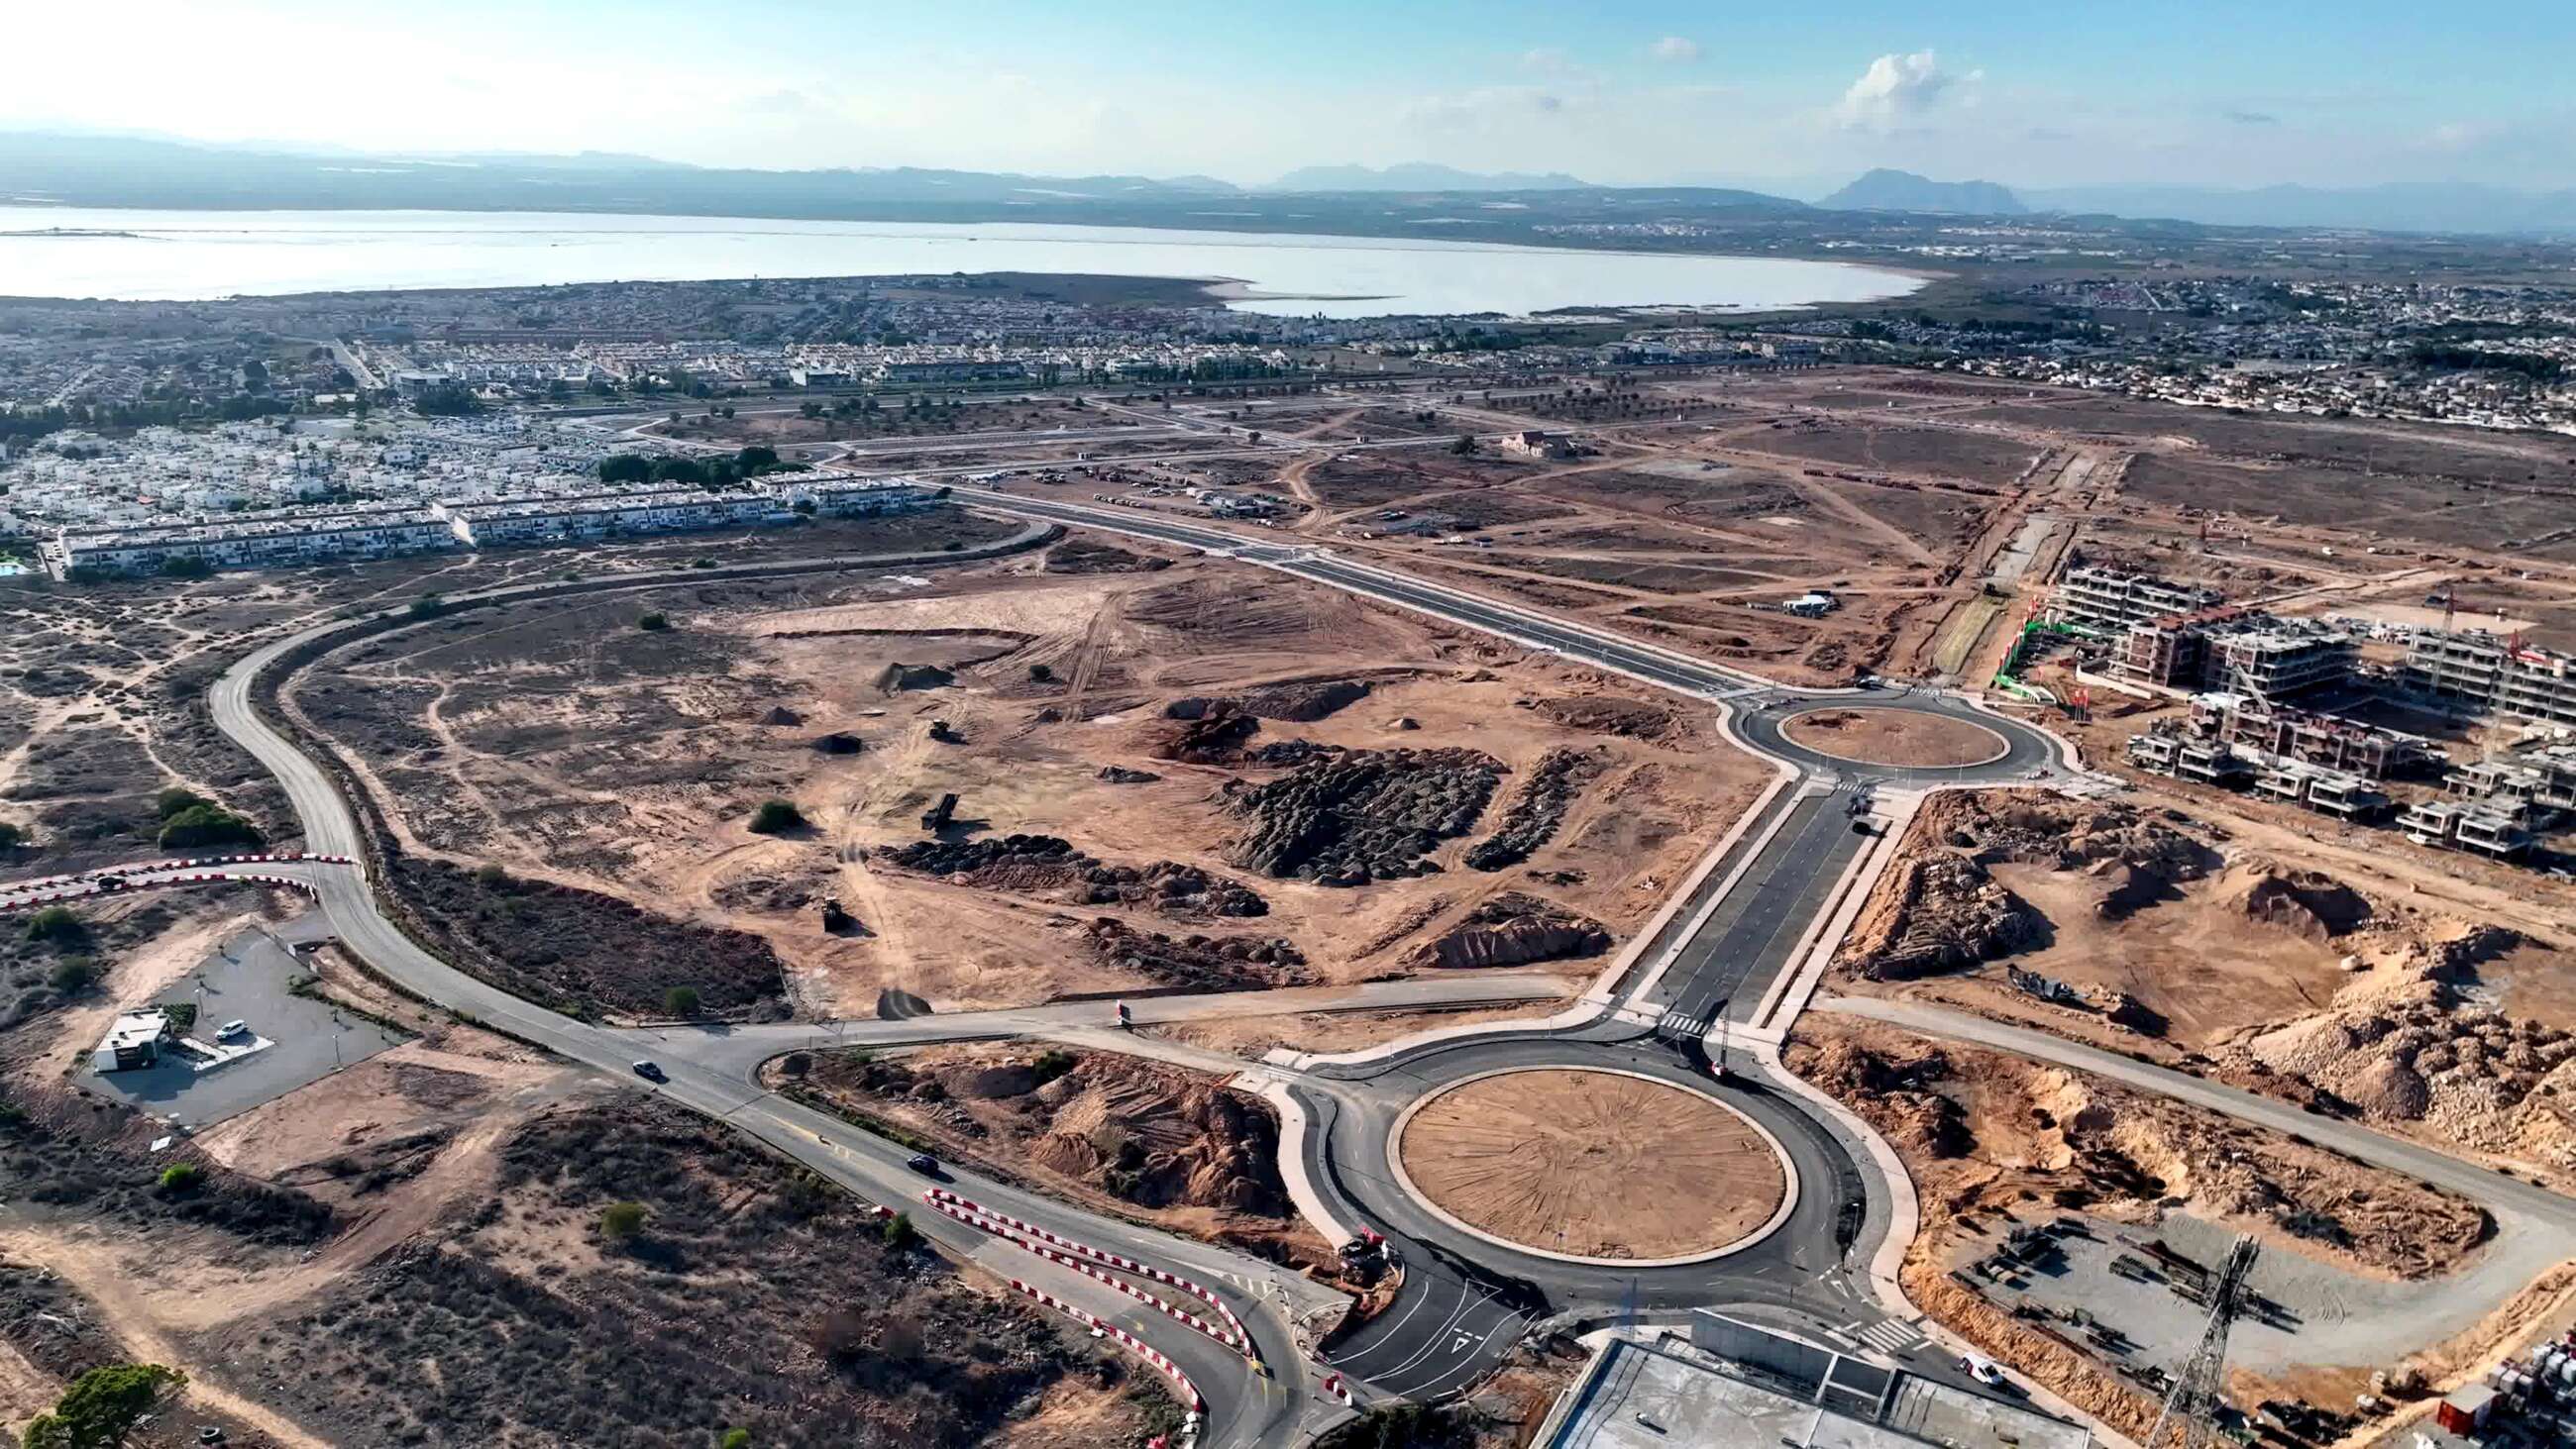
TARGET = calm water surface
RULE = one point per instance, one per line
(184, 255)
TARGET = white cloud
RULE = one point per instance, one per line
(1675, 50)
(1896, 89)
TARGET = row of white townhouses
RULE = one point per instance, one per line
(284, 538)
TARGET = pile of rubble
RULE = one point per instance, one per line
(1296, 700)
(2407, 1048)
(1200, 963)
(1939, 910)
(1052, 868)
(1538, 809)
(1365, 815)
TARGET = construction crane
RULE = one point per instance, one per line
(2192, 1407)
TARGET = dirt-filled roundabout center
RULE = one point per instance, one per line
(1593, 1165)
(1901, 738)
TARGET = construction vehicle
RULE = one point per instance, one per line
(936, 818)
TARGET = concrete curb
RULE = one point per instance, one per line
(1789, 1185)
(1293, 1127)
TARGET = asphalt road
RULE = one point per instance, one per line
(1243, 1406)
(1464, 1302)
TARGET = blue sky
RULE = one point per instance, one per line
(1799, 95)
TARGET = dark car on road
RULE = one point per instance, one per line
(651, 1072)
(923, 1163)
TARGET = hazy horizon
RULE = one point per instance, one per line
(1658, 93)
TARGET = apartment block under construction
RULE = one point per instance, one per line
(2111, 600)
(2250, 723)
(2255, 655)
(2492, 674)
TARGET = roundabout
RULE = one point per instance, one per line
(1591, 1165)
(1911, 739)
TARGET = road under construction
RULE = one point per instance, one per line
(1700, 1001)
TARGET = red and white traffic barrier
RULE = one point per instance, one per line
(1146, 1351)
(1338, 1391)
(1229, 1337)
(939, 1195)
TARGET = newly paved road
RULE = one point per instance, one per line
(1244, 1407)
(1464, 1302)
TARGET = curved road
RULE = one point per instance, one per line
(1464, 1300)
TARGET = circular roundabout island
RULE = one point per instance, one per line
(1593, 1165)
(1898, 738)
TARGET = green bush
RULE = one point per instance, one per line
(176, 799)
(898, 1231)
(654, 623)
(201, 825)
(1053, 1064)
(73, 974)
(102, 1407)
(735, 1439)
(181, 1177)
(11, 837)
(681, 1001)
(56, 925)
(621, 1220)
(182, 1014)
(776, 817)
(427, 606)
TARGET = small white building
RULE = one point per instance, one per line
(133, 1040)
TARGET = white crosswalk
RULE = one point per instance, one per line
(1889, 1335)
(1679, 1023)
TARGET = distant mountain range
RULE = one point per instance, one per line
(2433, 206)
(1422, 176)
(130, 171)
(1885, 190)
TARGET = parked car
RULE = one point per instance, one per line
(231, 1029)
(651, 1072)
(923, 1163)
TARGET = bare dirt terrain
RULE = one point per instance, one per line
(1893, 737)
(2159, 938)
(1141, 1139)
(1594, 1164)
(1999, 1146)
(1189, 776)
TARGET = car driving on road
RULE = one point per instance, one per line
(651, 1072)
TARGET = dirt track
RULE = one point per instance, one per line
(1596, 1164)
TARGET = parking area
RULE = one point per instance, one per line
(250, 979)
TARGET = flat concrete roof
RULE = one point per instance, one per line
(1644, 1396)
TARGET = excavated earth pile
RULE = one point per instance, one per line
(1538, 809)
(1514, 929)
(1200, 963)
(1051, 868)
(1366, 815)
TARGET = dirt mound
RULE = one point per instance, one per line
(898, 677)
(2413, 1050)
(1943, 911)
(837, 743)
(1051, 868)
(2303, 902)
(1214, 738)
(1910, 1114)
(2035, 1131)
(1140, 1132)
(1367, 815)
(1513, 929)
(1538, 809)
(1629, 718)
(1088, 556)
(2039, 829)
(1299, 701)
(779, 714)
(1201, 963)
